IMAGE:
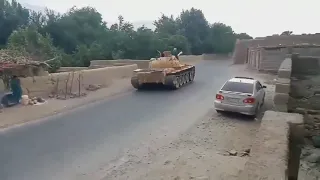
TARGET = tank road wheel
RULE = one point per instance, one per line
(191, 75)
(183, 81)
(186, 77)
(180, 79)
(135, 83)
(176, 82)
(173, 82)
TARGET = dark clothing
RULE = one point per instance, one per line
(175, 53)
(16, 90)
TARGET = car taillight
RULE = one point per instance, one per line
(249, 100)
(219, 96)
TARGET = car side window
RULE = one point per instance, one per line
(258, 86)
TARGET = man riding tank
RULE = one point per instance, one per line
(175, 53)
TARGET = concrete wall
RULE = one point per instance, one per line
(270, 150)
(69, 69)
(145, 63)
(282, 90)
(305, 83)
(45, 85)
(240, 52)
(107, 63)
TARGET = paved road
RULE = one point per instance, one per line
(70, 146)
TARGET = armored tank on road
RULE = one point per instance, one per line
(167, 70)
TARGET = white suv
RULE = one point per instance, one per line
(244, 95)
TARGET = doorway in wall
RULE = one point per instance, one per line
(247, 55)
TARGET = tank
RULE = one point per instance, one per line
(166, 70)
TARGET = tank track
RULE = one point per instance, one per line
(173, 81)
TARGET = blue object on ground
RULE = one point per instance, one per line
(12, 98)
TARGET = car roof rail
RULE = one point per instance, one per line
(243, 77)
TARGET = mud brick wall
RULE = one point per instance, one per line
(271, 60)
(240, 51)
(305, 83)
(45, 85)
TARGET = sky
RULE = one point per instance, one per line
(256, 17)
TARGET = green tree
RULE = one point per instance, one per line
(194, 26)
(30, 42)
(166, 26)
(80, 35)
(222, 38)
(12, 16)
(286, 33)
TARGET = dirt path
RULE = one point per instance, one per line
(202, 152)
(22, 114)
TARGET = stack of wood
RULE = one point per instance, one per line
(12, 59)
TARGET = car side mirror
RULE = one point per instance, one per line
(264, 86)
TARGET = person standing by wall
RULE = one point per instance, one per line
(16, 89)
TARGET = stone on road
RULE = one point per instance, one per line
(81, 144)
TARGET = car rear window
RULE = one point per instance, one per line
(238, 87)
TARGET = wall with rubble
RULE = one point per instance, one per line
(305, 83)
(240, 53)
(271, 151)
(275, 152)
(71, 82)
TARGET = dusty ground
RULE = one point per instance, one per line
(20, 114)
(309, 164)
(310, 155)
(199, 153)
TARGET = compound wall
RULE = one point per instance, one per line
(241, 48)
(59, 82)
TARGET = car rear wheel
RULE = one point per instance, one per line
(262, 101)
(256, 112)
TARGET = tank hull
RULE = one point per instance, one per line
(172, 78)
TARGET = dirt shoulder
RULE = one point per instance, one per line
(202, 152)
(21, 114)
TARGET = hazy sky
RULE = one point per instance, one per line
(255, 17)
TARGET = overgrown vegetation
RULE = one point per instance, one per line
(81, 35)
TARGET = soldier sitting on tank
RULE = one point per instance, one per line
(175, 53)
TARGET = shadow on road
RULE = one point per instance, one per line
(161, 88)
